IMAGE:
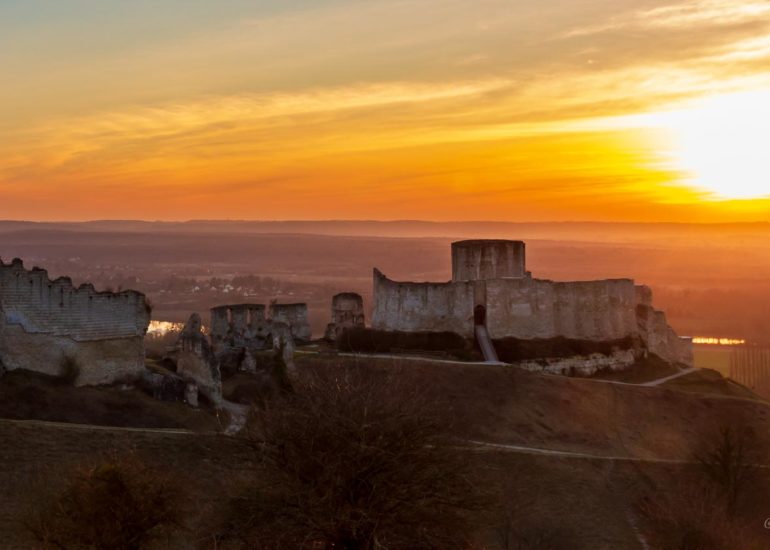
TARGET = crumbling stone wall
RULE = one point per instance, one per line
(347, 312)
(246, 324)
(416, 307)
(43, 321)
(237, 331)
(295, 316)
(584, 310)
(526, 308)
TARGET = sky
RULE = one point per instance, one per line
(614, 110)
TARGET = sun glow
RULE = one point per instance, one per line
(721, 144)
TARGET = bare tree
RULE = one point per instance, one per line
(699, 509)
(724, 460)
(358, 459)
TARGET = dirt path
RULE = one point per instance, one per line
(238, 416)
(665, 379)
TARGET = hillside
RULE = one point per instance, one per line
(647, 426)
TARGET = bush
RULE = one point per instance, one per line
(69, 370)
(700, 510)
(119, 503)
(512, 350)
(688, 515)
(367, 340)
(354, 460)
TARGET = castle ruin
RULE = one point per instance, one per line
(491, 288)
(347, 312)
(45, 322)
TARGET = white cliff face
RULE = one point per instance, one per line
(43, 322)
(580, 365)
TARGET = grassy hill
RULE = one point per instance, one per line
(561, 501)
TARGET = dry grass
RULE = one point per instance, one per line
(27, 395)
(507, 405)
(118, 502)
(543, 501)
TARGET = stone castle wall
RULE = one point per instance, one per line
(524, 308)
(44, 321)
(242, 323)
(415, 307)
(295, 316)
(584, 310)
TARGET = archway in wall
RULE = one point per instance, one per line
(480, 315)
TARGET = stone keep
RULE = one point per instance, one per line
(490, 285)
(44, 321)
(481, 260)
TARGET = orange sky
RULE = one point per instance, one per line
(431, 109)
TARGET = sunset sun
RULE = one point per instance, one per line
(721, 144)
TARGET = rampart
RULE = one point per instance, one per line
(512, 304)
(43, 321)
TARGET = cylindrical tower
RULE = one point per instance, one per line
(479, 260)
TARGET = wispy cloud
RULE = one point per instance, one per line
(363, 101)
(680, 16)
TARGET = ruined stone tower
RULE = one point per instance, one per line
(479, 260)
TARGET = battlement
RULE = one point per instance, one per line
(30, 299)
(249, 321)
(44, 321)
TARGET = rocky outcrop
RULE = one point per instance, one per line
(582, 365)
(196, 361)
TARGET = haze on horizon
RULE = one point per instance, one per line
(615, 110)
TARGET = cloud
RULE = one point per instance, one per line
(679, 16)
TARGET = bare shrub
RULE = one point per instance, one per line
(119, 503)
(700, 511)
(355, 459)
(724, 460)
(69, 370)
(689, 516)
(279, 369)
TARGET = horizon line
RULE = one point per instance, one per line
(376, 221)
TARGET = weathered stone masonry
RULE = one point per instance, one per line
(43, 321)
(490, 285)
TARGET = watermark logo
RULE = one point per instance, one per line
(767, 523)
